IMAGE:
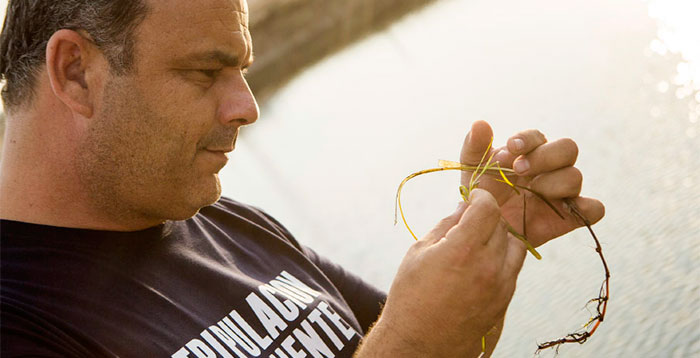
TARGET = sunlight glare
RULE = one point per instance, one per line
(679, 33)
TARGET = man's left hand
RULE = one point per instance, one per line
(543, 166)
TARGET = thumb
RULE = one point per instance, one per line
(476, 142)
(442, 227)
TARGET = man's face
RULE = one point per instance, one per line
(157, 141)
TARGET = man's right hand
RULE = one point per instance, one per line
(452, 288)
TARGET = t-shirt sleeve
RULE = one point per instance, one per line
(365, 300)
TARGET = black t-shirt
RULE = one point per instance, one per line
(229, 282)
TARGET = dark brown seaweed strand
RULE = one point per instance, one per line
(551, 206)
(602, 299)
(524, 210)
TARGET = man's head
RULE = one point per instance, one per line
(153, 103)
(30, 24)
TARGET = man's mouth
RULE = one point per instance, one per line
(216, 156)
(220, 150)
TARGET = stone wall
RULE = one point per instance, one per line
(289, 35)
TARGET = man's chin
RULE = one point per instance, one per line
(197, 198)
(208, 193)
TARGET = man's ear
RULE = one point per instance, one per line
(69, 58)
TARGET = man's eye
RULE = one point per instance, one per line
(209, 73)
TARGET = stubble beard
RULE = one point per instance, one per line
(131, 170)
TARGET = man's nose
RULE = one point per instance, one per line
(237, 104)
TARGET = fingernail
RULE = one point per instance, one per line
(519, 144)
(472, 193)
(521, 166)
(501, 156)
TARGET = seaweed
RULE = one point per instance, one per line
(490, 167)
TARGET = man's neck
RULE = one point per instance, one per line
(39, 183)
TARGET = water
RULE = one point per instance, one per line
(620, 77)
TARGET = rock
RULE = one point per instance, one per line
(289, 35)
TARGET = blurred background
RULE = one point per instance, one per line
(344, 121)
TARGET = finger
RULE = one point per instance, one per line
(476, 142)
(515, 256)
(592, 209)
(543, 231)
(561, 183)
(547, 157)
(444, 225)
(495, 247)
(478, 222)
(498, 241)
(525, 141)
(504, 157)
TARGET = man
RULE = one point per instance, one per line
(115, 241)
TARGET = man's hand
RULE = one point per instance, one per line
(546, 167)
(455, 284)
(452, 287)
